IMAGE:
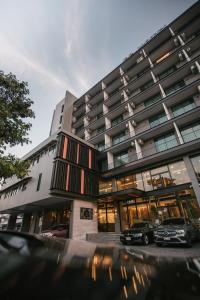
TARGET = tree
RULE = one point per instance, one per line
(15, 115)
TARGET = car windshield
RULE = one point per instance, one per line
(139, 225)
(176, 221)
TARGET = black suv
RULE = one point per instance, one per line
(138, 233)
(176, 231)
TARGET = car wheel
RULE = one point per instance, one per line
(146, 240)
(159, 244)
(188, 241)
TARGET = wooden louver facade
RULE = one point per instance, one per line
(75, 168)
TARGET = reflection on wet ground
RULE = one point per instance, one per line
(78, 269)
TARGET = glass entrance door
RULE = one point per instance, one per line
(106, 217)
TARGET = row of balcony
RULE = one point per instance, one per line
(125, 69)
(131, 94)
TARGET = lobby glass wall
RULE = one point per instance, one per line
(156, 209)
(56, 216)
(196, 165)
(106, 217)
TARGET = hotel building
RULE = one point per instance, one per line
(126, 150)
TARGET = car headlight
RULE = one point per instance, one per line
(181, 231)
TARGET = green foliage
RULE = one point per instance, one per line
(15, 115)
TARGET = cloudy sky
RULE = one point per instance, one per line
(56, 45)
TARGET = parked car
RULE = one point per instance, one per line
(142, 232)
(59, 230)
(176, 231)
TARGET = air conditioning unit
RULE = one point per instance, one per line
(127, 125)
(127, 91)
(126, 107)
(183, 36)
(198, 88)
(73, 130)
(133, 144)
(122, 81)
(87, 98)
(127, 77)
(74, 108)
(126, 131)
(176, 42)
(193, 69)
(140, 142)
(133, 123)
(89, 130)
(73, 119)
(90, 106)
(181, 57)
(188, 49)
(88, 118)
(132, 105)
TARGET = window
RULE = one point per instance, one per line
(152, 100)
(179, 173)
(147, 85)
(105, 186)
(175, 87)
(117, 120)
(101, 146)
(62, 108)
(183, 107)
(167, 72)
(131, 181)
(118, 138)
(157, 120)
(61, 119)
(191, 133)
(39, 181)
(166, 142)
(121, 158)
(100, 129)
(196, 165)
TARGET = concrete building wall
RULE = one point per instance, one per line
(148, 148)
(29, 195)
(79, 227)
(142, 126)
(64, 116)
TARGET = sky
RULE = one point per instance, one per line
(59, 45)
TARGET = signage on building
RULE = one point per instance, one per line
(86, 213)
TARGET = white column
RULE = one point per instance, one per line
(130, 110)
(180, 40)
(124, 94)
(121, 71)
(107, 123)
(124, 80)
(105, 109)
(144, 53)
(150, 62)
(131, 128)
(103, 85)
(105, 95)
(171, 31)
(87, 135)
(186, 55)
(166, 111)
(154, 77)
(88, 107)
(86, 121)
(138, 150)
(110, 160)
(197, 65)
(107, 140)
(162, 91)
(178, 133)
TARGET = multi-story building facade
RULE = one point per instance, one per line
(143, 118)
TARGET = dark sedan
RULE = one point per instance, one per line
(138, 233)
(176, 231)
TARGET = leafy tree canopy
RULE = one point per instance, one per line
(15, 114)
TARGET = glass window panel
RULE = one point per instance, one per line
(158, 119)
(179, 173)
(139, 181)
(159, 170)
(191, 133)
(166, 142)
(147, 181)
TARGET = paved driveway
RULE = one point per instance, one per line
(166, 251)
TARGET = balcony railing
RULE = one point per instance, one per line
(144, 153)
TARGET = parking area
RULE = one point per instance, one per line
(166, 251)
